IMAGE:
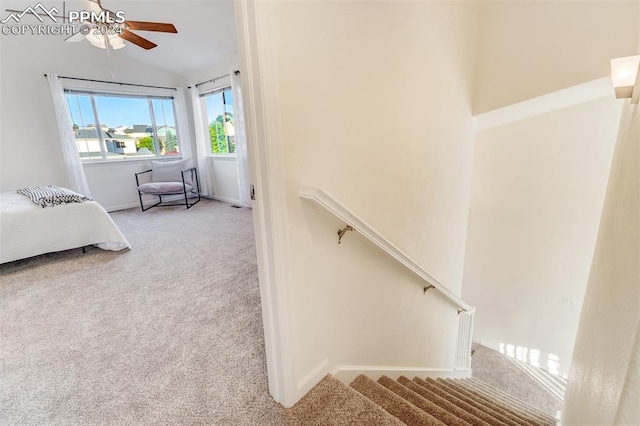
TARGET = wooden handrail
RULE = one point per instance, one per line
(332, 205)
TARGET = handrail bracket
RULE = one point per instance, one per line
(343, 231)
(427, 288)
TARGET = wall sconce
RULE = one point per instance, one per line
(624, 74)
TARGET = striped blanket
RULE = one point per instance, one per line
(51, 196)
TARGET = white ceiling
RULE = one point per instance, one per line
(206, 32)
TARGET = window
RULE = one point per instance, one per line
(219, 106)
(114, 127)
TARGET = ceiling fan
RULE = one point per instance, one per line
(100, 34)
(104, 34)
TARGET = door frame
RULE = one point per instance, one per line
(264, 150)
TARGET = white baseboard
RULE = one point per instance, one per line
(347, 374)
(489, 345)
(224, 199)
(137, 204)
(121, 207)
(312, 378)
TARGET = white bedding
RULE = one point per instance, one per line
(29, 230)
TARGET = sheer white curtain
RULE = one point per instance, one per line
(72, 161)
(180, 103)
(241, 140)
(202, 141)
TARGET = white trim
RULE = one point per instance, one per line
(224, 199)
(489, 345)
(111, 209)
(312, 378)
(324, 199)
(262, 120)
(465, 339)
(347, 373)
(131, 160)
(565, 98)
(224, 157)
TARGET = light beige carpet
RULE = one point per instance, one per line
(169, 332)
(501, 372)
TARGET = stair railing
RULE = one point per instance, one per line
(352, 222)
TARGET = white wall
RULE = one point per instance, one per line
(381, 119)
(538, 188)
(609, 322)
(224, 176)
(530, 48)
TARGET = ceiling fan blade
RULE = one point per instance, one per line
(137, 40)
(151, 26)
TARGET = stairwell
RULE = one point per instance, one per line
(430, 402)
(403, 401)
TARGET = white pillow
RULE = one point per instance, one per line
(169, 171)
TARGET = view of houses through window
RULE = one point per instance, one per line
(112, 127)
(219, 105)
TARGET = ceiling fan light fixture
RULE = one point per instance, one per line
(100, 41)
(116, 42)
(96, 40)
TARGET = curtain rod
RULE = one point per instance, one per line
(111, 82)
(236, 72)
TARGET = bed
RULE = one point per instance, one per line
(27, 229)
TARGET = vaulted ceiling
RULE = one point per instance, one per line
(206, 33)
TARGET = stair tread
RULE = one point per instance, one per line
(501, 394)
(488, 417)
(392, 403)
(331, 402)
(520, 411)
(422, 403)
(492, 404)
(515, 402)
(487, 408)
(444, 403)
(545, 379)
(428, 402)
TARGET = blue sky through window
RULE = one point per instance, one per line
(115, 112)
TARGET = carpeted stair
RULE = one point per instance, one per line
(458, 402)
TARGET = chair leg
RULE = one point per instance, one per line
(149, 207)
(198, 192)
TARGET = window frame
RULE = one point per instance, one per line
(92, 93)
(211, 92)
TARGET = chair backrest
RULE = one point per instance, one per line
(170, 171)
